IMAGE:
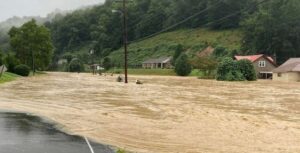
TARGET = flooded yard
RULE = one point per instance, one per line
(165, 114)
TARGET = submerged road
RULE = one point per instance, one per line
(165, 114)
(21, 133)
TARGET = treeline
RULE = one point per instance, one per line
(269, 26)
(101, 29)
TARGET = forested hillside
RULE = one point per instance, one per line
(192, 41)
(101, 29)
(157, 27)
(268, 26)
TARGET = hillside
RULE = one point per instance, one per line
(19, 21)
(193, 41)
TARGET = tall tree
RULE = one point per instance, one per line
(32, 44)
(274, 30)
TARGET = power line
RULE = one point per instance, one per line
(185, 20)
(236, 13)
(177, 24)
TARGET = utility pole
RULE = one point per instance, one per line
(92, 52)
(33, 66)
(125, 35)
(125, 40)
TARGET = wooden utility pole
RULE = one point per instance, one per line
(33, 63)
(125, 33)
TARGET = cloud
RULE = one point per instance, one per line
(10, 8)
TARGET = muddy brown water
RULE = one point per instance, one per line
(22, 133)
(165, 114)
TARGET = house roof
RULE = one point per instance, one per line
(254, 58)
(292, 65)
(158, 60)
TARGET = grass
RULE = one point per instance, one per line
(6, 77)
(158, 72)
(121, 151)
(193, 41)
(161, 72)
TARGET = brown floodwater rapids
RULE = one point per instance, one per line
(165, 114)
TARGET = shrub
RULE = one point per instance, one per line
(247, 70)
(220, 51)
(11, 62)
(228, 70)
(206, 65)
(22, 70)
(68, 57)
(76, 66)
(107, 63)
(182, 66)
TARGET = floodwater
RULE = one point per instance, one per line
(21, 133)
(165, 114)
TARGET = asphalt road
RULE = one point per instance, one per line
(20, 133)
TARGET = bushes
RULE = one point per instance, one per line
(76, 66)
(247, 69)
(107, 64)
(182, 66)
(22, 70)
(11, 62)
(230, 70)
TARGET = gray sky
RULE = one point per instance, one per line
(10, 8)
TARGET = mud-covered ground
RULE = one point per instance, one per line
(165, 114)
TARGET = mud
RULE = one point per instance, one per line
(165, 114)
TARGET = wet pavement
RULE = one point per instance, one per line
(20, 133)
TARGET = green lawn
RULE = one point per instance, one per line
(193, 42)
(6, 77)
(159, 72)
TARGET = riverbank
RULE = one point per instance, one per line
(7, 77)
(165, 114)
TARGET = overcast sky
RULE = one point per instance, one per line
(10, 8)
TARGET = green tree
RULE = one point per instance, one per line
(107, 63)
(205, 64)
(182, 66)
(225, 8)
(76, 66)
(274, 30)
(32, 45)
(247, 69)
(228, 70)
(68, 57)
(11, 62)
(178, 52)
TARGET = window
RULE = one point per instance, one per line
(262, 64)
(279, 75)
